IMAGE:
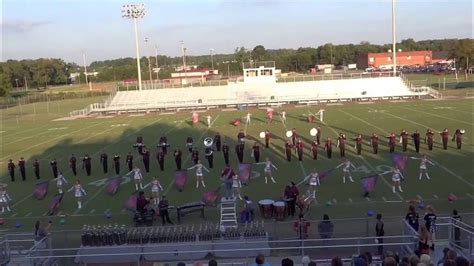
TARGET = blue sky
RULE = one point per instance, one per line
(65, 28)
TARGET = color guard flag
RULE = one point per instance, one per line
(244, 172)
(210, 197)
(55, 203)
(113, 185)
(236, 122)
(131, 203)
(180, 177)
(195, 118)
(326, 174)
(399, 160)
(369, 182)
(41, 189)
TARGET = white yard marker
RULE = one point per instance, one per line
(419, 197)
(123, 210)
(334, 200)
(106, 211)
(92, 211)
(384, 199)
(435, 196)
(367, 198)
(13, 215)
(469, 195)
(350, 200)
(28, 214)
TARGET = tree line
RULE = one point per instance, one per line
(41, 73)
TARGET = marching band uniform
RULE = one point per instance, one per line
(117, 164)
(217, 140)
(86, 162)
(54, 167)
(72, 164)
(225, 153)
(328, 147)
(227, 176)
(140, 145)
(60, 182)
(310, 118)
(299, 149)
(341, 143)
(318, 135)
(294, 135)
(404, 139)
(288, 147)
(177, 158)
(11, 170)
(391, 142)
(209, 153)
(358, 144)
(416, 140)
(160, 157)
(429, 139)
(4, 199)
(195, 156)
(79, 192)
(36, 167)
(137, 176)
(267, 138)
(199, 174)
(458, 137)
(189, 144)
(129, 160)
(164, 144)
(374, 142)
(140, 139)
(314, 148)
(444, 138)
(256, 152)
(239, 149)
(104, 161)
(241, 138)
(146, 159)
(22, 166)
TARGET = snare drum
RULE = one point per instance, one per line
(266, 208)
(279, 208)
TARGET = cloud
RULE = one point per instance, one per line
(21, 26)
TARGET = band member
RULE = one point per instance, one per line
(4, 198)
(104, 161)
(423, 168)
(290, 195)
(116, 160)
(209, 118)
(416, 140)
(310, 118)
(140, 139)
(374, 142)
(444, 138)
(146, 159)
(318, 135)
(60, 182)
(299, 149)
(138, 178)
(227, 176)
(86, 163)
(328, 147)
(392, 139)
(236, 185)
(241, 137)
(163, 143)
(313, 181)
(268, 170)
(225, 153)
(283, 116)
(129, 160)
(294, 137)
(72, 164)
(199, 174)
(404, 139)
(36, 167)
(429, 139)
(163, 206)
(270, 114)
(155, 190)
(458, 137)
(256, 152)
(22, 166)
(11, 169)
(314, 148)
(79, 193)
(195, 156)
(239, 150)
(177, 158)
(358, 144)
(54, 167)
(217, 140)
(247, 118)
(189, 144)
(347, 169)
(341, 143)
(139, 145)
(267, 138)
(209, 153)
(288, 148)
(160, 158)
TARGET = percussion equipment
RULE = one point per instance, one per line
(266, 208)
(279, 208)
(208, 142)
(462, 131)
(262, 135)
(289, 134)
(313, 132)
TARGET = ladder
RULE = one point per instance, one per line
(228, 213)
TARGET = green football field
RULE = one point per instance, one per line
(32, 132)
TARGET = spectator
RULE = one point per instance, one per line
(379, 233)
(445, 254)
(457, 232)
(360, 262)
(389, 261)
(163, 206)
(325, 229)
(181, 264)
(212, 262)
(301, 227)
(461, 261)
(451, 255)
(414, 260)
(405, 261)
(312, 263)
(412, 218)
(305, 260)
(425, 259)
(336, 261)
(449, 263)
(249, 208)
(368, 255)
(142, 202)
(260, 260)
(430, 220)
(41, 232)
(287, 262)
(425, 242)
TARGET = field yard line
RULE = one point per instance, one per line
(282, 121)
(404, 119)
(29, 137)
(28, 214)
(189, 155)
(41, 143)
(22, 200)
(35, 128)
(365, 122)
(440, 116)
(441, 166)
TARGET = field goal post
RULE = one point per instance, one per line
(318, 115)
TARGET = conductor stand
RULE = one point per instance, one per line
(228, 213)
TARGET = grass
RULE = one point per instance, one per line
(30, 131)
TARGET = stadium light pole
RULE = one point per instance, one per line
(183, 49)
(85, 67)
(149, 59)
(135, 12)
(394, 39)
(156, 59)
(212, 58)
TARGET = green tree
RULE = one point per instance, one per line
(259, 53)
(5, 84)
(463, 53)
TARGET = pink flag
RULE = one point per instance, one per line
(41, 189)
(55, 203)
(180, 177)
(113, 184)
(399, 160)
(244, 172)
(131, 203)
(369, 182)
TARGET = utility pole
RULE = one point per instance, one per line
(212, 60)
(156, 59)
(149, 59)
(394, 39)
(16, 83)
(26, 84)
(85, 67)
(184, 62)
